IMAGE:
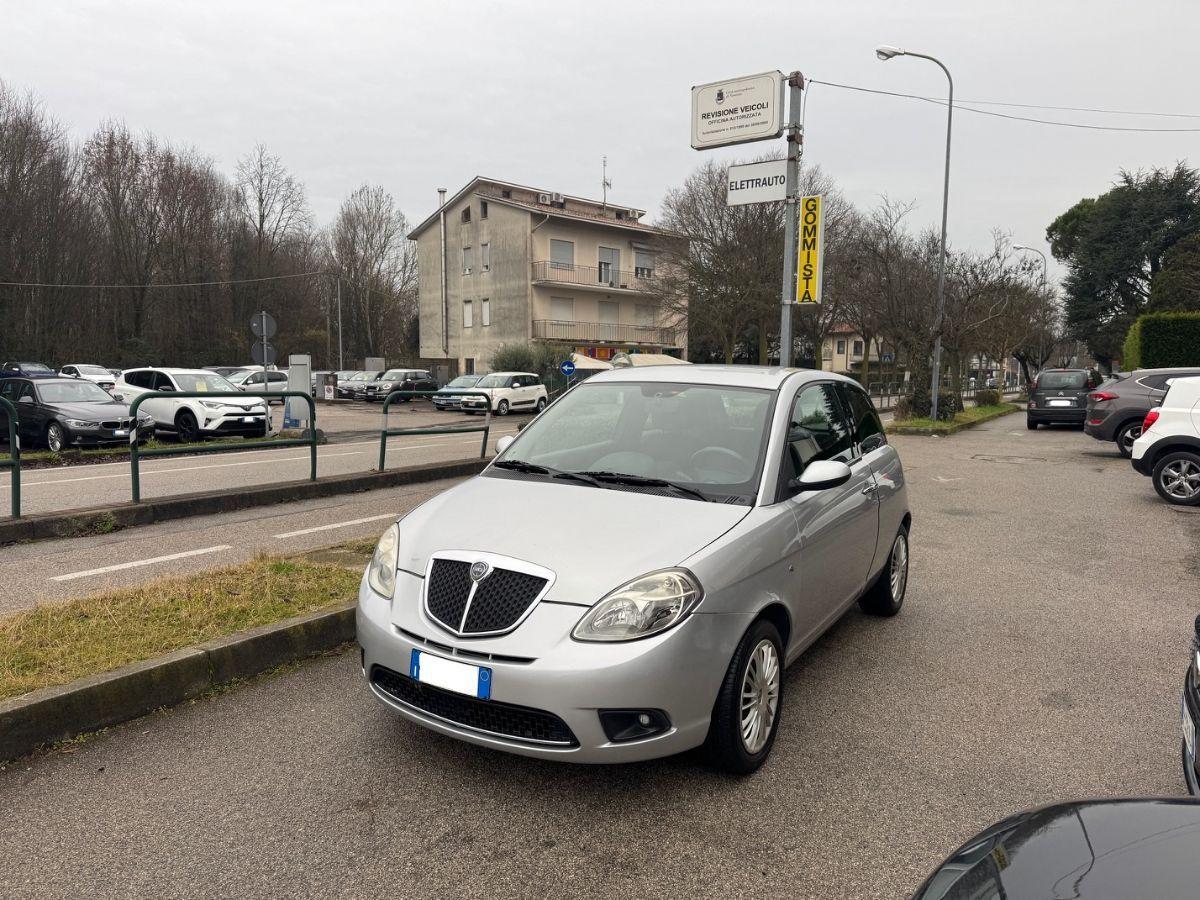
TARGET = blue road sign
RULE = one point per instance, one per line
(567, 367)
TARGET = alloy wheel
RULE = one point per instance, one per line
(55, 439)
(1128, 436)
(760, 696)
(899, 566)
(1181, 479)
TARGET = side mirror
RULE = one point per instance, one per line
(504, 443)
(166, 387)
(820, 475)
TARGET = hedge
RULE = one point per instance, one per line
(1161, 340)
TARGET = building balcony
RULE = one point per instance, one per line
(600, 278)
(607, 333)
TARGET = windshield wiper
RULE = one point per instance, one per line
(644, 481)
(520, 465)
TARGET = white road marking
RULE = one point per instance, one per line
(140, 562)
(292, 534)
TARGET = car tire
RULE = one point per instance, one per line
(502, 408)
(1176, 477)
(56, 437)
(541, 404)
(1030, 424)
(186, 427)
(886, 595)
(727, 746)
(1126, 435)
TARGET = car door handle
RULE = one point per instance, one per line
(870, 488)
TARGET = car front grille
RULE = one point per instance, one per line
(518, 723)
(117, 423)
(492, 606)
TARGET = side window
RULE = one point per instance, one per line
(8, 389)
(279, 376)
(25, 390)
(162, 382)
(868, 430)
(817, 430)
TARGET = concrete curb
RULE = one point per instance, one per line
(54, 714)
(104, 519)
(952, 429)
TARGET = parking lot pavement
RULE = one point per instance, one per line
(72, 487)
(1038, 658)
(71, 567)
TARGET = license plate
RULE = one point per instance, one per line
(462, 678)
(121, 432)
(247, 419)
(1060, 402)
(1189, 731)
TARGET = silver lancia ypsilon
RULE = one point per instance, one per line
(632, 573)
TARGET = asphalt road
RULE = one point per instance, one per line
(57, 570)
(1037, 658)
(76, 486)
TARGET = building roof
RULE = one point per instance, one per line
(472, 186)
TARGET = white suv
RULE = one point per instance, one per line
(196, 418)
(509, 391)
(1169, 447)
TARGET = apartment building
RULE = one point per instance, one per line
(502, 263)
(844, 350)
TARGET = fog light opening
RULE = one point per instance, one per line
(621, 725)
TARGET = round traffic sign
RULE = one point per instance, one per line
(263, 353)
(567, 367)
(262, 325)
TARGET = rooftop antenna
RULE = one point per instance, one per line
(605, 184)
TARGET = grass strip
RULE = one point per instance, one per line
(972, 415)
(56, 643)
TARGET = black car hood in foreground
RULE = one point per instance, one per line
(1094, 850)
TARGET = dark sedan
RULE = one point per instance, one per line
(450, 397)
(1094, 850)
(70, 412)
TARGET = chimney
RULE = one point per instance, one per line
(441, 197)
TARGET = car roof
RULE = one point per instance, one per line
(171, 371)
(509, 374)
(1140, 373)
(765, 377)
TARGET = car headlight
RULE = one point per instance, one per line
(79, 423)
(145, 418)
(211, 404)
(642, 607)
(381, 573)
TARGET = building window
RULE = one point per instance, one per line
(643, 264)
(469, 365)
(562, 254)
(841, 347)
(485, 257)
(827, 350)
(858, 348)
(485, 312)
(466, 214)
(506, 194)
(467, 314)
(608, 265)
(468, 260)
(610, 312)
(483, 209)
(562, 309)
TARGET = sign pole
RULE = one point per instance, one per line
(795, 138)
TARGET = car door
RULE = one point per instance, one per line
(32, 416)
(12, 390)
(838, 527)
(161, 408)
(872, 445)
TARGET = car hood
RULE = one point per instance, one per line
(593, 539)
(1093, 850)
(93, 412)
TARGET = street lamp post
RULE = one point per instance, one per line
(885, 52)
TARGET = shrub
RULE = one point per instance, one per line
(903, 408)
(987, 397)
(1160, 340)
(949, 403)
(541, 359)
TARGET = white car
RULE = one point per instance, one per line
(194, 418)
(509, 391)
(95, 374)
(251, 381)
(1168, 449)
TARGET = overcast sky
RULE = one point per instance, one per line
(421, 94)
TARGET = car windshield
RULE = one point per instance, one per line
(94, 371)
(396, 374)
(1059, 381)
(209, 381)
(365, 376)
(463, 381)
(73, 392)
(491, 381)
(239, 377)
(708, 438)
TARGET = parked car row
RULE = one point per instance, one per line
(508, 391)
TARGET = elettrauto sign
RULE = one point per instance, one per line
(737, 110)
(760, 182)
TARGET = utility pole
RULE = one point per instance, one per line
(605, 184)
(341, 366)
(795, 148)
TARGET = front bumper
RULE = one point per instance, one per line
(678, 672)
(97, 437)
(253, 424)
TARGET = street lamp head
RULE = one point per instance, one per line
(886, 52)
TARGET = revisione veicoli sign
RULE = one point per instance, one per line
(760, 182)
(737, 110)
